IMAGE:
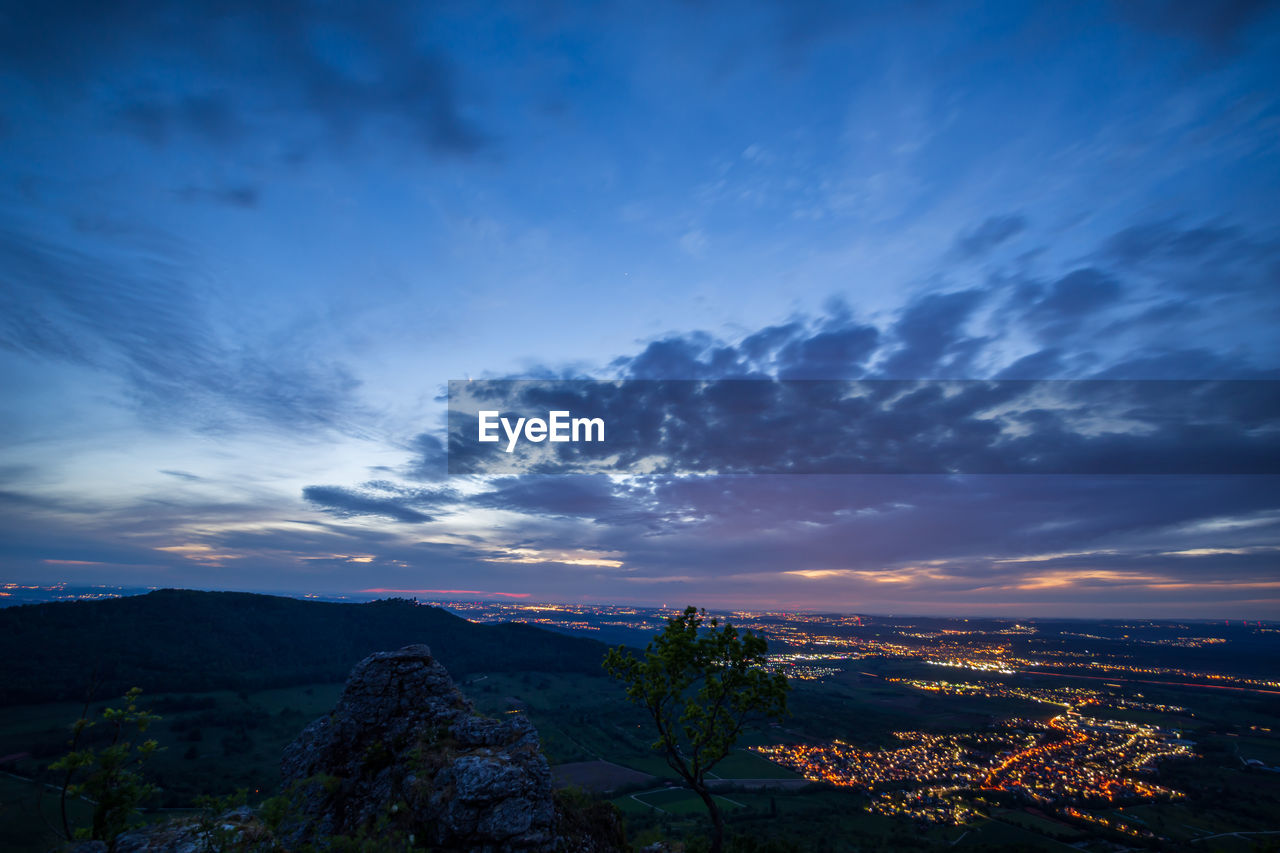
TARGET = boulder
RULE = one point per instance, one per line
(404, 756)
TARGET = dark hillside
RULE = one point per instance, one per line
(190, 641)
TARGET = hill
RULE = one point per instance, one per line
(191, 641)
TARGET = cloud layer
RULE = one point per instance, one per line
(244, 246)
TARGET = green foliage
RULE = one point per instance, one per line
(701, 681)
(110, 775)
(283, 815)
(217, 836)
(584, 822)
(277, 811)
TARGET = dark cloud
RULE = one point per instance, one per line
(994, 231)
(839, 352)
(1206, 288)
(1184, 363)
(837, 347)
(430, 459)
(587, 496)
(380, 498)
(803, 27)
(694, 356)
(941, 537)
(967, 518)
(1167, 240)
(759, 346)
(337, 68)
(1042, 364)
(1200, 264)
(1078, 293)
(933, 341)
(1220, 27)
(1060, 309)
(182, 475)
(17, 501)
(974, 427)
(157, 120)
(242, 196)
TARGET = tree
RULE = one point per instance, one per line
(111, 776)
(701, 686)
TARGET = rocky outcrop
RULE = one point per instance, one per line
(238, 829)
(404, 756)
(403, 761)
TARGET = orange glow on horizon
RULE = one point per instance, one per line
(383, 591)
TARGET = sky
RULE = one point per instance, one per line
(244, 246)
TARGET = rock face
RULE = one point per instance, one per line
(404, 755)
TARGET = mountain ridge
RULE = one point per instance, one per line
(177, 640)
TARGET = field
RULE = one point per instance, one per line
(598, 776)
(30, 816)
(675, 801)
(748, 765)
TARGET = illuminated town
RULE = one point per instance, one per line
(1107, 725)
(1068, 761)
(1073, 724)
(1004, 649)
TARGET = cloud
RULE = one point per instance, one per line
(1062, 308)
(322, 71)
(588, 496)
(1034, 541)
(684, 356)
(1198, 264)
(1189, 362)
(432, 592)
(938, 539)
(992, 232)
(933, 339)
(840, 352)
(878, 426)
(1042, 364)
(140, 319)
(1108, 320)
(1029, 541)
(240, 195)
(1219, 27)
(183, 475)
(1167, 240)
(379, 498)
(211, 117)
(429, 461)
(837, 346)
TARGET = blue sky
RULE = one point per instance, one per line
(243, 247)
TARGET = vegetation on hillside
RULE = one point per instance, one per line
(191, 641)
(108, 776)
